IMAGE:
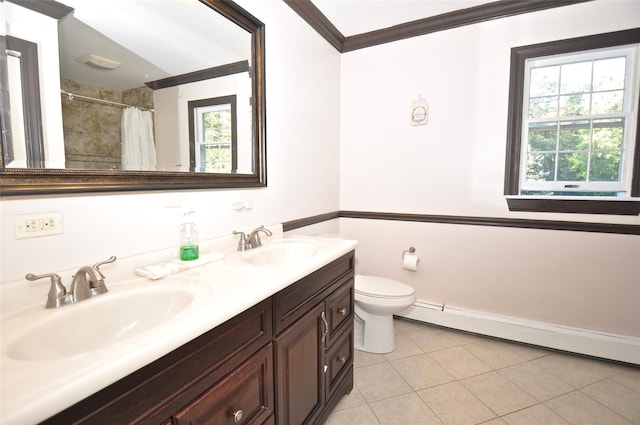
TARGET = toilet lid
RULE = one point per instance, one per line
(375, 286)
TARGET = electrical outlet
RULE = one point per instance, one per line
(36, 225)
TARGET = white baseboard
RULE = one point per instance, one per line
(583, 341)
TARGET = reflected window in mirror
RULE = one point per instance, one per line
(213, 135)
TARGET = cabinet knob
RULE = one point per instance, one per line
(237, 416)
(342, 311)
(342, 359)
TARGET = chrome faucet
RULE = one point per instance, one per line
(87, 282)
(252, 240)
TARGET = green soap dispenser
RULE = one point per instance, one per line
(188, 238)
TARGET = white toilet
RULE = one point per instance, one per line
(377, 299)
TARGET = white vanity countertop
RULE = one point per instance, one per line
(33, 390)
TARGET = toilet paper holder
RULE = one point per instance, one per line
(410, 260)
(411, 250)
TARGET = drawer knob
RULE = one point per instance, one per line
(237, 416)
(342, 359)
(342, 311)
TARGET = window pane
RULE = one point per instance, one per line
(542, 137)
(544, 81)
(574, 135)
(605, 166)
(608, 74)
(543, 107)
(217, 126)
(607, 102)
(209, 129)
(209, 135)
(572, 166)
(215, 158)
(541, 166)
(575, 104)
(575, 78)
(607, 134)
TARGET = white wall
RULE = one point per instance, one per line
(171, 107)
(302, 169)
(455, 166)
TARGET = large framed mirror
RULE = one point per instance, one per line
(117, 86)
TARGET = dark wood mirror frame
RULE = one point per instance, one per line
(56, 181)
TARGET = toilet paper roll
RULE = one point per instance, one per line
(410, 262)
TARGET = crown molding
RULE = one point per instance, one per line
(50, 8)
(472, 15)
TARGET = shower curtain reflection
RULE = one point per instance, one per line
(138, 146)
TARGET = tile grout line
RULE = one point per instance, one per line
(601, 404)
(528, 358)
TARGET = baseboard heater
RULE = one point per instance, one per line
(576, 340)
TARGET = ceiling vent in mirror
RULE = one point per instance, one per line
(98, 62)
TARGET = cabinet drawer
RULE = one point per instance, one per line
(339, 357)
(340, 306)
(245, 396)
(294, 301)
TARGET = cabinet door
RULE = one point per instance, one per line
(299, 369)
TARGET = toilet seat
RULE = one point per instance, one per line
(381, 287)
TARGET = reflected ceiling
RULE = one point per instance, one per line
(112, 29)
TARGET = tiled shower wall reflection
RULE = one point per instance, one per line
(92, 130)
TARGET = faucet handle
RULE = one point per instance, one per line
(243, 244)
(98, 287)
(107, 261)
(97, 266)
(57, 291)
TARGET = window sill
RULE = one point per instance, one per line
(572, 205)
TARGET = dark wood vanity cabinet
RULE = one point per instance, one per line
(287, 361)
(155, 393)
(313, 322)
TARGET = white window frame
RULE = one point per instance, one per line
(200, 132)
(629, 115)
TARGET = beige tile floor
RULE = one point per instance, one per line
(441, 376)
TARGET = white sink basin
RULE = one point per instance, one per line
(284, 251)
(99, 322)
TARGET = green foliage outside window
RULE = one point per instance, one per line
(215, 150)
(571, 137)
